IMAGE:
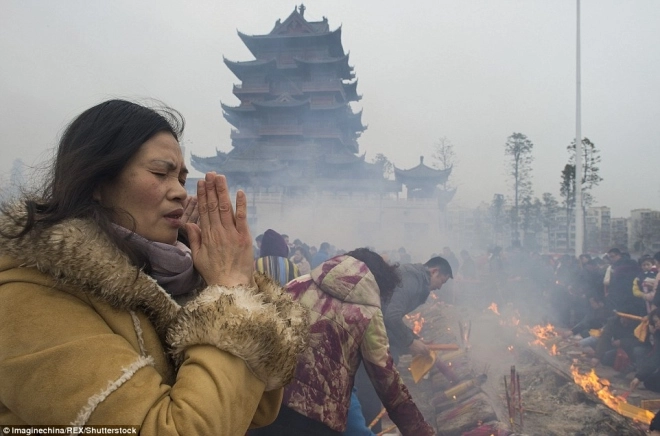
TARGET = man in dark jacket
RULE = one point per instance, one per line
(417, 282)
(619, 292)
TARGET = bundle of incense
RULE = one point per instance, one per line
(629, 316)
(445, 357)
(378, 417)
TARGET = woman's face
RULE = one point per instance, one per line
(150, 190)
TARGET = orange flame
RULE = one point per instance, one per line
(417, 322)
(542, 334)
(493, 307)
(601, 388)
(595, 385)
(417, 326)
(553, 350)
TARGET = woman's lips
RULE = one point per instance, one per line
(174, 218)
(173, 221)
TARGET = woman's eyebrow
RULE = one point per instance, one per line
(171, 166)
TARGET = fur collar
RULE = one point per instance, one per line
(78, 253)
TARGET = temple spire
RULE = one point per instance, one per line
(301, 10)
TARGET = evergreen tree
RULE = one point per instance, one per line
(590, 178)
(519, 149)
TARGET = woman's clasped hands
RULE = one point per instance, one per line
(220, 242)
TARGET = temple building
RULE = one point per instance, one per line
(294, 149)
(294, 129)
(423, 181)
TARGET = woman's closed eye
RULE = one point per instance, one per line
(182, 180)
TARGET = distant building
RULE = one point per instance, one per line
(294, 130)
(422, 182)
(598, 229)
(620, 233)
(644, 231)
(295, 149)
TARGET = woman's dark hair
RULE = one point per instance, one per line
(387, 276)
(93, 150)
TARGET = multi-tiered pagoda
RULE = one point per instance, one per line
(294, 128)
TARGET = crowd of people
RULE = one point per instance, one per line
(128, 302)
(608, 303)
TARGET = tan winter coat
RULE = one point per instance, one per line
(84, 341)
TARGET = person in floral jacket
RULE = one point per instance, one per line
(344, 296)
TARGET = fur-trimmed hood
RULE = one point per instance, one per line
(78, 253)
(261, 325)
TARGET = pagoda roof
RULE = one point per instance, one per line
(264, 151)
(236, 161)
(295, 29)
(350, 89)
(282, 102)
(340, 63)
(206, 164)
(232, 118)
(240, 68)
(261, 166)
(233, 114)
(343, 158)
(422, 173)
(354, 121)
(236, 109)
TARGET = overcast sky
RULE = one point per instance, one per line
(474, 71)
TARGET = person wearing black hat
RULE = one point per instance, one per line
(274, 258)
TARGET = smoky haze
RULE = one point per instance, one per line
(474, 72)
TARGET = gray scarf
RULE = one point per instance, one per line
(171, 265)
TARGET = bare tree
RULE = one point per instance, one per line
(385, 164)
(444, 157)
(519, 149)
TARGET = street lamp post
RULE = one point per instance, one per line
(579, 221)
